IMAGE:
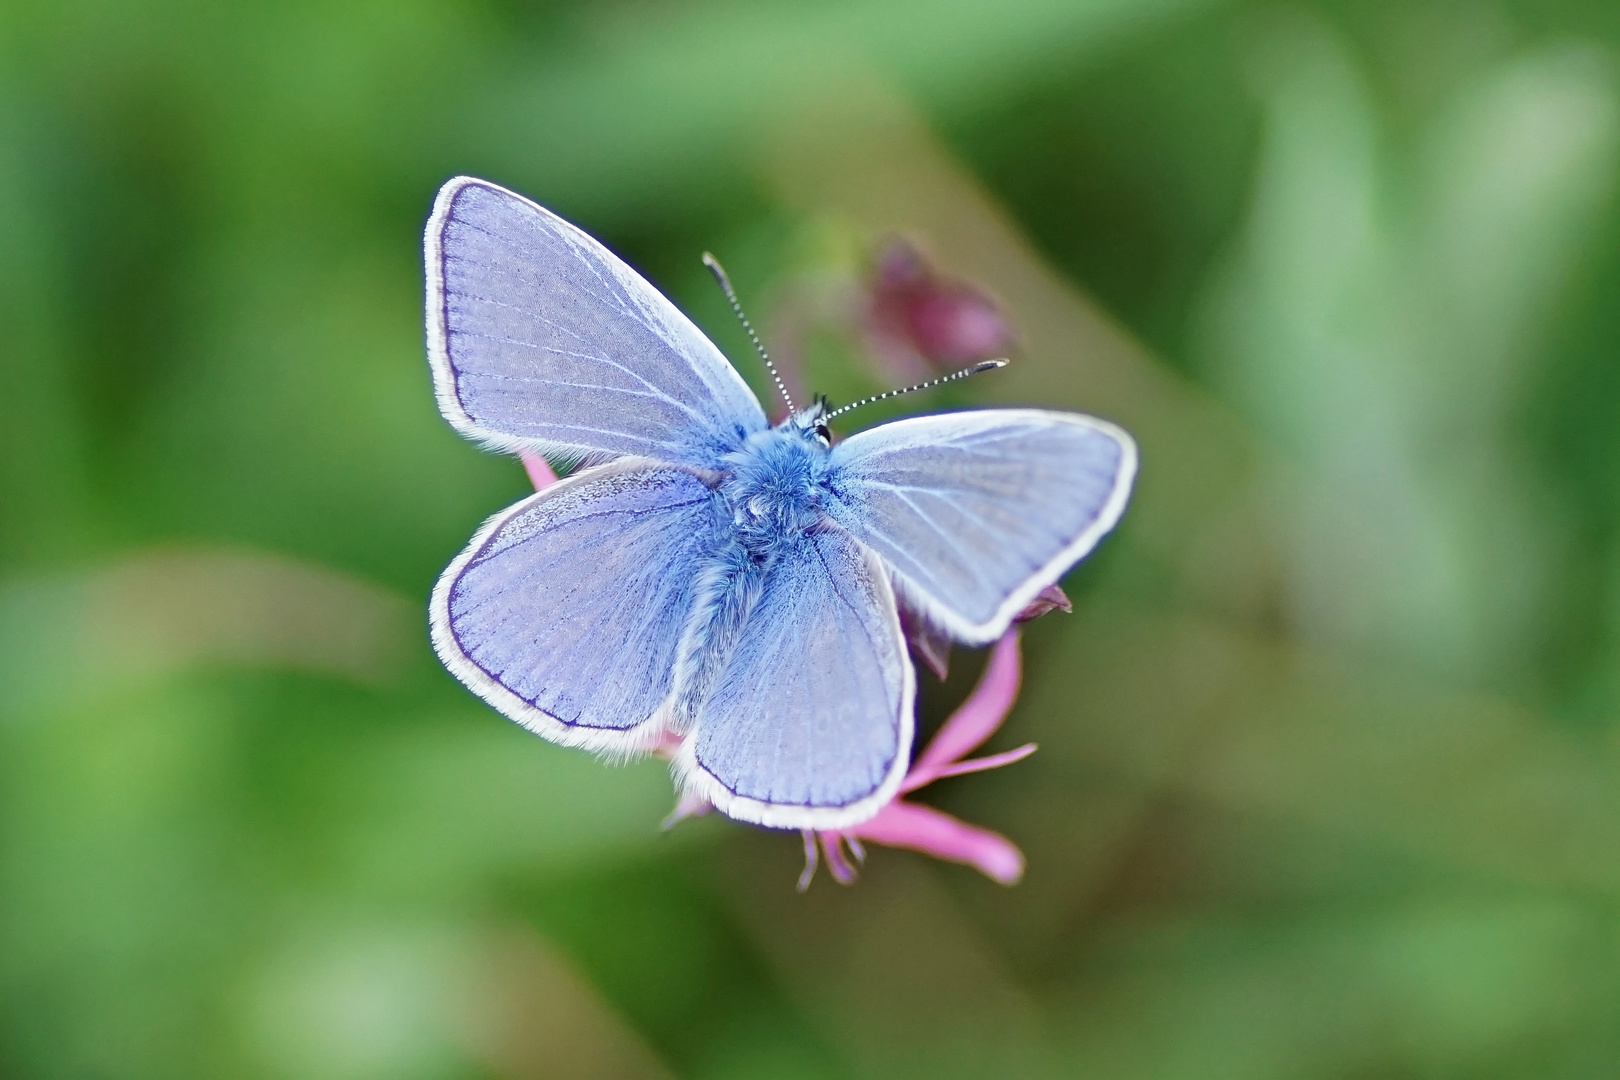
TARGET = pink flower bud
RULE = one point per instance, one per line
(920, 323)
(1048, 599)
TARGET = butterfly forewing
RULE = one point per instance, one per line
(978, 511)
(565, 611)
(540, 337)
(809, 725)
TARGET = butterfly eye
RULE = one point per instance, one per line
(823, 432)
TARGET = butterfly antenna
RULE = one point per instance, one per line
(983, 365)
(719, 273)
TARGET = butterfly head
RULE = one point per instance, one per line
(811, 423)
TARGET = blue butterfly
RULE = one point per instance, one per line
(704, 574)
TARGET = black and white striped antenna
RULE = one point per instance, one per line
(719, 273)
(983, 365)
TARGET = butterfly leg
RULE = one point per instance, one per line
(811, 857)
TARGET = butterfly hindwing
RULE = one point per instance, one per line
(541, 338)
(978, 511)
(810, 722)
(565, 611)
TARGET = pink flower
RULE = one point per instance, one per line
(900, 823)
(922, 828)
(538, 468)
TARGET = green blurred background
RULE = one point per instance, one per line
(1328, 777)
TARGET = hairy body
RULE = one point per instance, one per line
(772, 492)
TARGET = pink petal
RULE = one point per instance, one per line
(976, 719)
(688, 805)
(666, 745)
(538, 468)
(934, 832)
(983, 764)
(1050, 598)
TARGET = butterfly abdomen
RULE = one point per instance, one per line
(771, 496)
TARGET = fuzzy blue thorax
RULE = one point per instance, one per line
(773, 487)
(774, 484)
